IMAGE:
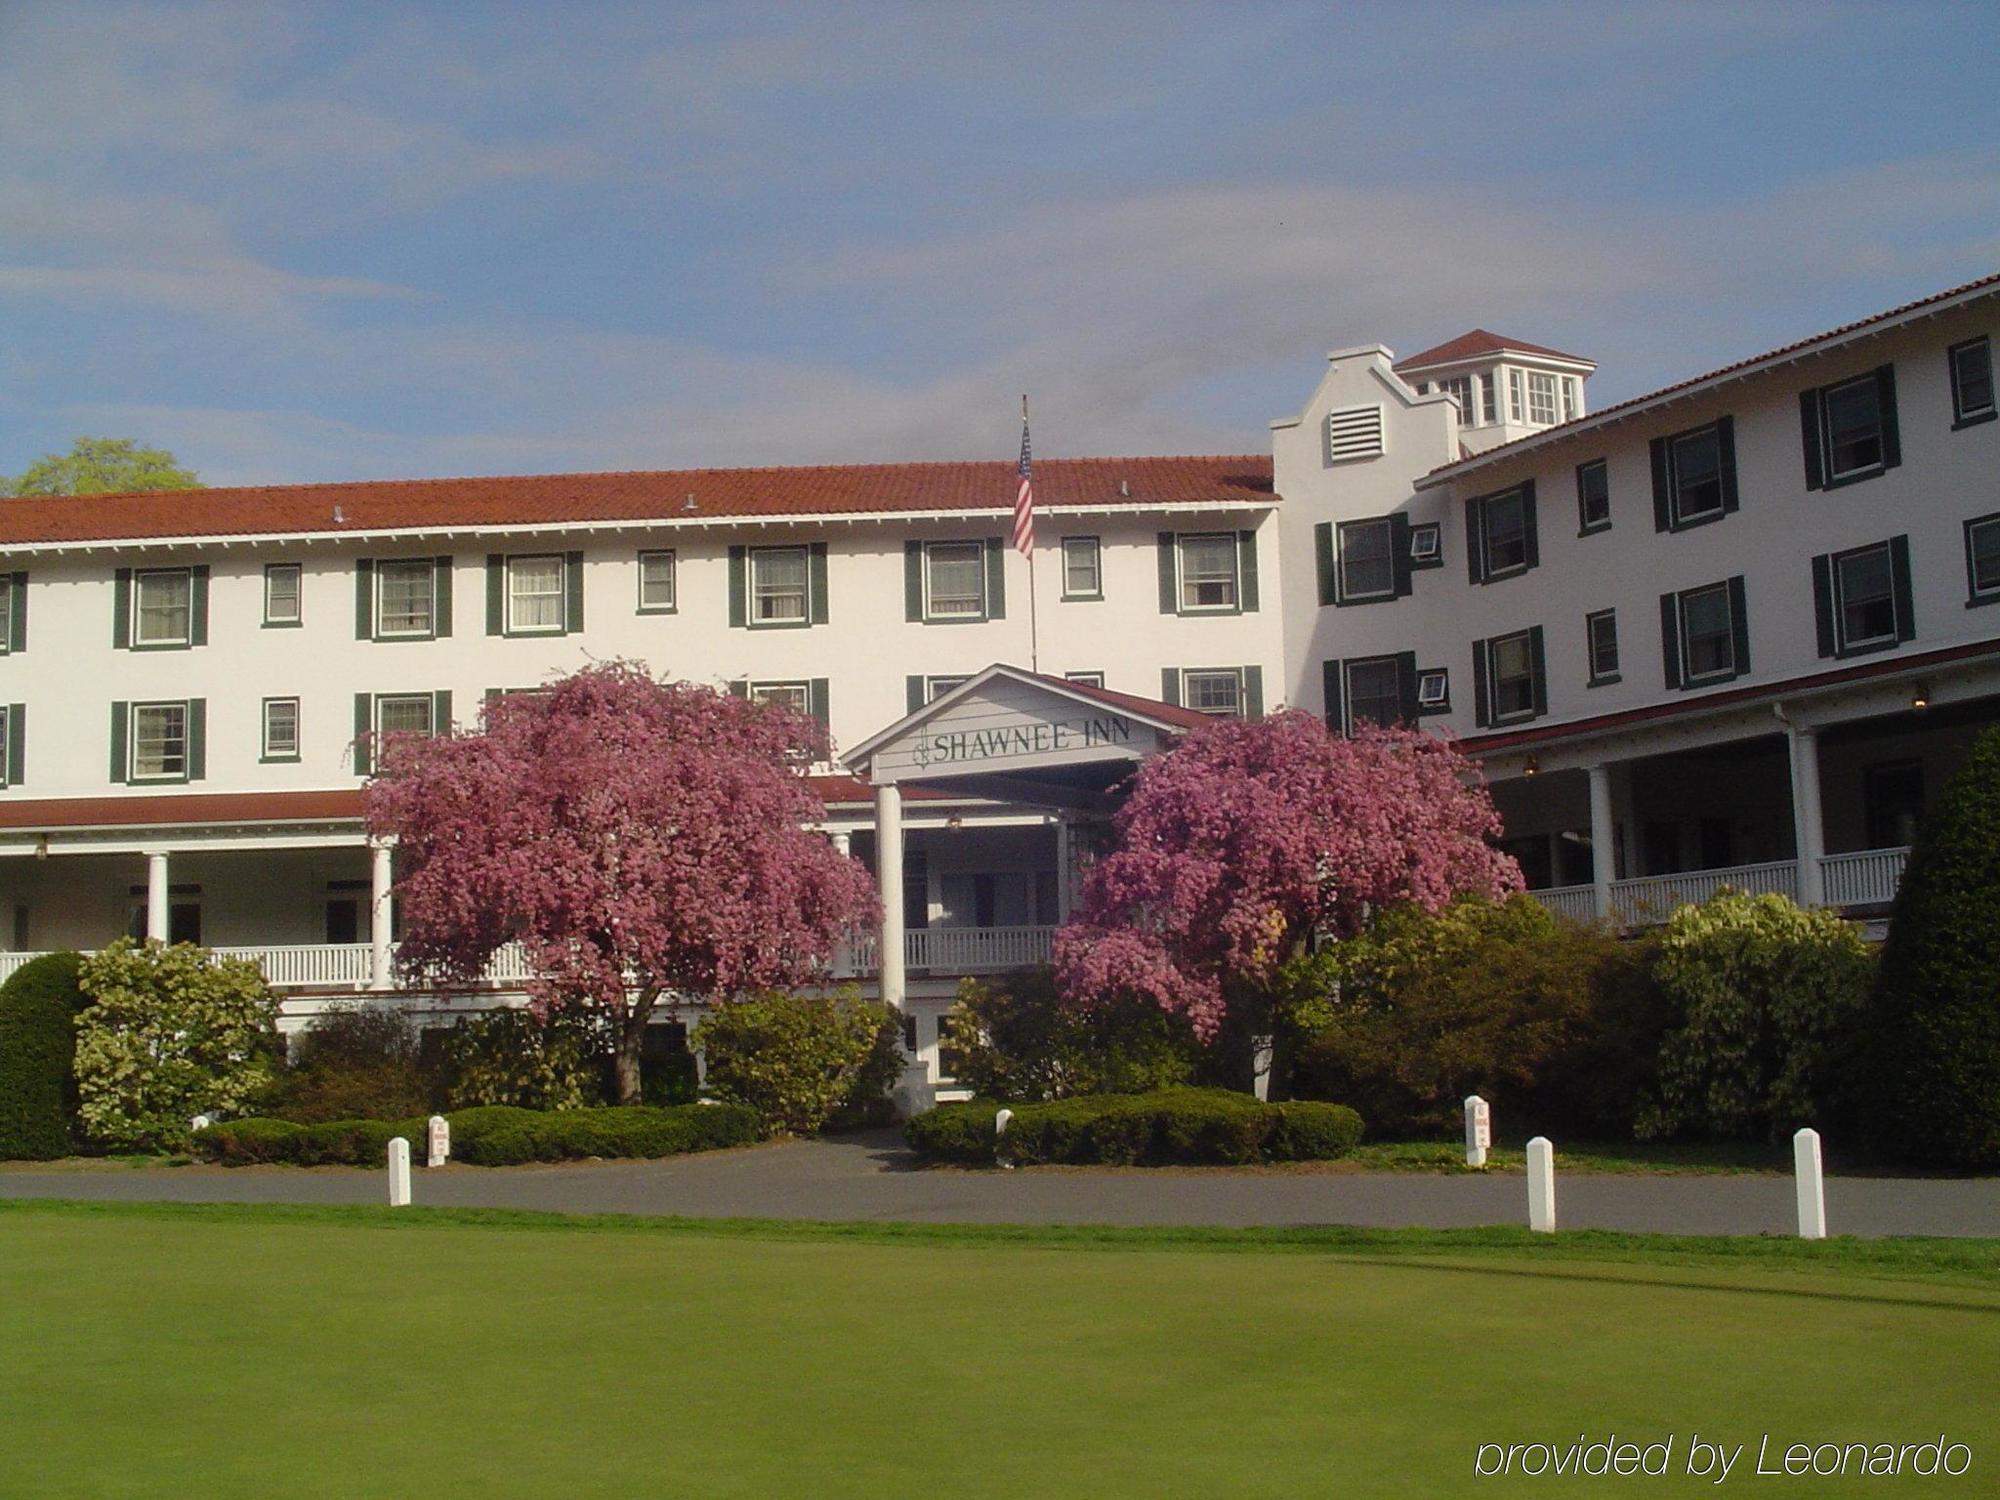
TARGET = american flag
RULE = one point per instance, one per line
(1024, 499)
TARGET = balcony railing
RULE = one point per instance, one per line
(1865, 877)
(332, 964)
(951, 950)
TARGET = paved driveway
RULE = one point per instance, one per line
(870, 1176)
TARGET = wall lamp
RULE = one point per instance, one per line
(1532, 768)
(1921, 698)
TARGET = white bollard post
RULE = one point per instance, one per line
(1478, 1130)
(1001, 1120)
(1541, 1185)
(1263, 1050)
(200, 1122)
(437, 1142)
(399, 1173)
(1811, 1184)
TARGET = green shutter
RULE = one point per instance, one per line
(17, 743)
(1482, 713)
(1892, 437)
(17, 624)
(1399, 552)
(121, 713)
(573, 592)
(817, 585)
(996, 578)
(1725, 449)
(739, 587)
(913, 581)
(1246, 568)
(816, 701)
(364, 600)
(1323, 563)
(496, 594)
(121, 608)
(1812, 441)
(1253, 692)
(1539, 665)
(198, 605)
(1329, 691)
(913, 693)
(197, 739)
(1170, 685)
(1530, 532)
(1169, 603)
(1739, 625)
(1475, 540)
(441, 597)
(1407, 706)
(1670, 639)
(364, 725)
(1899, 573)
(1822, 577)
(1663, 515)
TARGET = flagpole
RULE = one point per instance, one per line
(1034, 613)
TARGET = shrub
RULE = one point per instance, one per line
(1551, 1021)
(497, 1135)
(171, 1032)
(1015, 1037)
(1764, 992)
(515, 1057)
(38, 1101)
(352, 1062)
(797, 1059)
(1931, 1085)
(1184, 1125)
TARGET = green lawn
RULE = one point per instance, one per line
(226, 1352)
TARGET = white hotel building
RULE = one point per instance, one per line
(1732, 632)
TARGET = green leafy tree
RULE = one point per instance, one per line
(102, 466)
(1016, 1037)
(38, 1006)
(1929, 1075)
(799, 1060)
(1767, 994)
(170, 1033)
(513, 1056)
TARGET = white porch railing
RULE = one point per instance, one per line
(1577, 902)
(1867, 877)
(1864, 877)
(310, 963)
(951, 950)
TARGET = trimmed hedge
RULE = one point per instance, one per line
(38, 1103)
(1179, 1125)
(492, 1136)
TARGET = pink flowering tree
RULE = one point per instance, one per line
(642, 841)
(1249, 840)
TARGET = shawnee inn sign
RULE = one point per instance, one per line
(959, 745)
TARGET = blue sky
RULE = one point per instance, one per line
(298, 242)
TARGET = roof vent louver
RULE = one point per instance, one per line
(1353, 432)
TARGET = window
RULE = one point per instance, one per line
(1083, 576)
(797, 696)
(1488, 399)
(281, 729)
(1374, 693)
(163, 613)
(1849, 429)
(13, 613)
(1208, 572)
(1512, 676)
(405, 713)
(1593, 496)
(1085, 679)
(1601, 633)
(1694, 476)
(282, 602)
(1704, 634)
(13, 718)
(405, 597)
(1434, 690)
(1218, 692)
(1570, 394)
(1541, 398)
(1862, 600)
(535, 595)
(936, 687)
(159, 742)
(1426, 549)
(778, 585)
(1972, 383)
(1514, 406)
(1982, 560)
(656, 583)
(1367, 560)
(955, 580)
(1500, 532)
(1459, 388)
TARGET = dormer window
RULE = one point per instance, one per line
(1541, 398)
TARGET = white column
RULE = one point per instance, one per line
(889, 877)
(381, 975)
(1603, 840)
(1808, 827)
(843, 843)
(156, 897)
(1065, 862)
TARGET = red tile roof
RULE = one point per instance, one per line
(1481, 341)
(640, 497)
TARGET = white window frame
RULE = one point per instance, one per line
(515, 566)
(1434, 687)
(272, 573)
(1599, 674)
(8, 770)
(1679, 515)
(1085, 679)
(1570, 393)
(793, 693)
(1843, 643)
(1975, 593)
(138, 711)
(1426, 542)
(1487, 569)
(1494, 710)
(140, 579)
(1348, 695)
(936, 687)
(1875, 465)
(757, 559)
(1542, 396)
(1189, 675)
(1184, 582)
(384, 700)
(932, 614)
(1386, 559)
(1584, 524)
(1515, 401)
(654, 557)
(1961, 414)
(267, 753)
(413, 568)
(1713, 674)
(1460, 389)
(1095, 548)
